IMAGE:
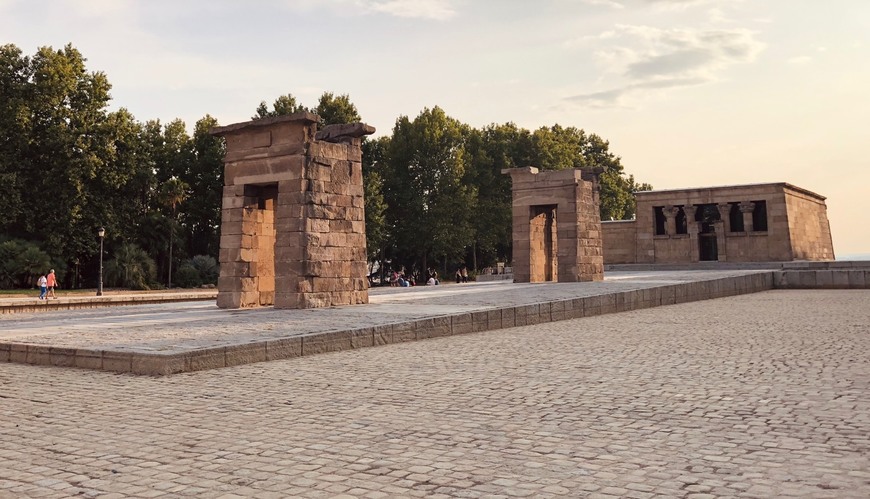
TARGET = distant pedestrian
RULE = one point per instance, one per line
(42, 282)
(464, 273)
(51, 283)
(458, 276)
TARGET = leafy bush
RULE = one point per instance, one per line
(199, 270)
(187, 276)
(131, 268)
(21, 262)
(208, 268)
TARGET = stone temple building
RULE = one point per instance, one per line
(739, 223)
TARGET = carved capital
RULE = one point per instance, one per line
(690, 210)
(670, 211)
(747, 207)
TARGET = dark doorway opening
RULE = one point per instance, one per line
(543, 264)
(708, 250)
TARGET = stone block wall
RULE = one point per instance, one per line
(293, 220)
(619, 238)
(808, 224)
(556, 225)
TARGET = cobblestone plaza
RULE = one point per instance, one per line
(759, 395)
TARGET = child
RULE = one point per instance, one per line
(42, 282)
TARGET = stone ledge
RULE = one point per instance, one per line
(30, 305)
(153, 364)
(823, 278)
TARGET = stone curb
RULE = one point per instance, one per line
(27, 305)
(837, 278)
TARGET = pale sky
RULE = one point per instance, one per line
(690, 93)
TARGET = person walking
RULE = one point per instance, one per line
(464, 273)
(51, 283)
(42, 282)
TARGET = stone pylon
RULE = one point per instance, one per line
(556, 225)
(292, 218)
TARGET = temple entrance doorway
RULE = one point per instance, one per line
(543, 260)
(708, 250)
(259, 225)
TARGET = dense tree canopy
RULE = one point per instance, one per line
(435, 195)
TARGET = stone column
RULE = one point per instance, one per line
(670, 213)
(725, 216)
(719, 227)
(693, 227)
(746, 209)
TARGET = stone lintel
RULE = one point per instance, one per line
(303, 116)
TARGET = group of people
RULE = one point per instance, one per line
(462, 274)
(47, 284)
(399, 279)
(402, 280)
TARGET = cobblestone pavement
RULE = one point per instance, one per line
(762, 395)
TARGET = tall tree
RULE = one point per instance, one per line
(374, 166)
(429, 206)
(557, 147)
(285, 104)
(15, 72)
(67, 107)
(173, 192)
(205, 176)
(336, 109)
(492, 149)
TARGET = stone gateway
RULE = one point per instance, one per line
(556, 225)
(292, 218)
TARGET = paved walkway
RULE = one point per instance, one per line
(761, 395)
(74, 301)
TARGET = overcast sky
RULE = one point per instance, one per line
(689, 93)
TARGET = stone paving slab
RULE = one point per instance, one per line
(753, 396)
(171, 338)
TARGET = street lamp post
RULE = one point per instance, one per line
(101, 232)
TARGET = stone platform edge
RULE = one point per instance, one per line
(84, 302)
(431, 327)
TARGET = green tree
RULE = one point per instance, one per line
(429, 206)
(205, 176)
(374, 164)
(21, 262)
(283, 105)
(67, 111)
(15, 74)
(556, 148)
(173, 192)
(336, 109)
(492, 149)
